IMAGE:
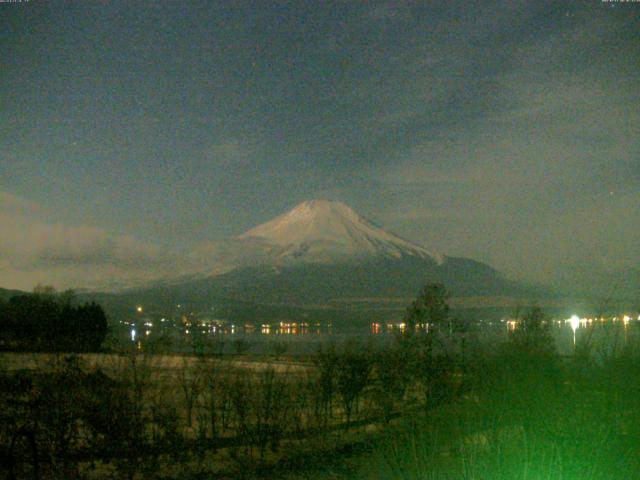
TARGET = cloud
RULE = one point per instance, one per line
(543, 178)
(230, 153)
(397, 11)
(34, 250)
(14, 204)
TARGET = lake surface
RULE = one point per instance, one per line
(304, 339)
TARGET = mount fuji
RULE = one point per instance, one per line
(322, 253)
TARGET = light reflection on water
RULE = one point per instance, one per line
(604, 336)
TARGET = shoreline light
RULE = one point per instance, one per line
(574, 321)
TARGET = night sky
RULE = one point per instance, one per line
(131, 132)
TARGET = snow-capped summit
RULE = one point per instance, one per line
(323, 231)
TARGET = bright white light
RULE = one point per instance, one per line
(139, 309)
(626, 319)
(575, 322)
(133, 334)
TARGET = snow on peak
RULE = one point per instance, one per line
(323, 230)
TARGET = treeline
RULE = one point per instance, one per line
(49, 321)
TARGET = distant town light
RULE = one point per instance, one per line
(133, 334)
(574, 321)
(139, 309)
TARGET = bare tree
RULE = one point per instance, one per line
(240, 393)
(270, 402)
(190, 387)
(353, 374)
(391, 378)
(326, 361)
(212, 386)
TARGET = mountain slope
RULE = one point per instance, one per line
(319, 253)
(6, 294)
(322, 283)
